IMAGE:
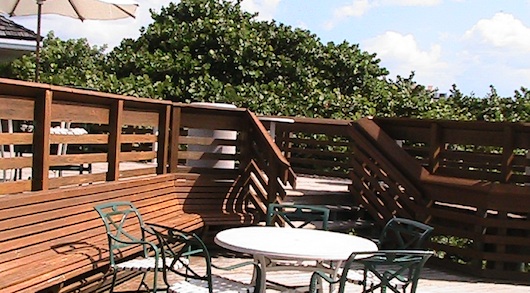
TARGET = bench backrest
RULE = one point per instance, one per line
(51, 236)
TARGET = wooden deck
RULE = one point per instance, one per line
(433, 280)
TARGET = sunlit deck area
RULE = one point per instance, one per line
(432, 280)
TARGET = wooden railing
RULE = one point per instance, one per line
(316, 146)
(106, 119)
(481, 227)
(467, 179)
(492, 152)
(230, 142)
(127, 137)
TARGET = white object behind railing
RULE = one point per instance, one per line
(7, 174)
(219, 149)
(273, 121)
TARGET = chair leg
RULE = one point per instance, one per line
(144, 284)
(113, 281)
(155, 280)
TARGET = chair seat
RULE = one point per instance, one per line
(148, 264)
(220, 285)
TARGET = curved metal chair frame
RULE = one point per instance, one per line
(297, 216)
(183, 245)
(126, 229)
(400, 233)
(394, 270)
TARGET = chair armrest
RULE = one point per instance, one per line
(257, 268)
(173, 235)
(316, 279)
(138, 242)
(392, 256)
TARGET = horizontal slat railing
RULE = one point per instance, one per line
(481, 226)
(157, 136)
(126, 137)
(496, 152)
(222, 140)
(48, 130)
(316, 146)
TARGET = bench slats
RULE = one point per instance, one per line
(53, 237)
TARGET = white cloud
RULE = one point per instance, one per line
(302, 25)
(265, 8)
(410, 2)
(401, 55)
(502, 31)
(497, 51)
(358, 8)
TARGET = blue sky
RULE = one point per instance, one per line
(470, 43)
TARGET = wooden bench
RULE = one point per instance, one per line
(50, 238)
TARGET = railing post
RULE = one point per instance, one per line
(283, 140)
(245, 147)
(507, 154)
(435, 149)
(272, 186)
(164, 122)
(175, 135)
(41, 142)
(478, 246)
(115, 126)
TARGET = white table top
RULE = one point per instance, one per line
(296, 244)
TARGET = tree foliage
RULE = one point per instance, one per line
(212, 51)
(208, 50)
(72, 62)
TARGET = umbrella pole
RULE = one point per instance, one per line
(37, 49)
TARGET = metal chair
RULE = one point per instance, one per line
(400, 233)
(195, 279)
(126, 230)
(298, 216)
(393, 270)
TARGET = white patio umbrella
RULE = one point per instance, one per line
(80, 9)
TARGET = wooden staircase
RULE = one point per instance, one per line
(332, 193)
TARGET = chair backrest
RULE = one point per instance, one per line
(124, 226)
(401, 233)
(298, 216)
(391, 270)
(177, 246)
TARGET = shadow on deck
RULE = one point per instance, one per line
(315, 190)
(432, 280)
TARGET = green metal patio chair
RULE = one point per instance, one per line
(298, 216)
(396, 271)
(126, 230)
(295, 216)
(400, 233)
(194, 278)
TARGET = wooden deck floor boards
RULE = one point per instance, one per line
(432, 280)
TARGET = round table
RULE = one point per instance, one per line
(293, 244)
